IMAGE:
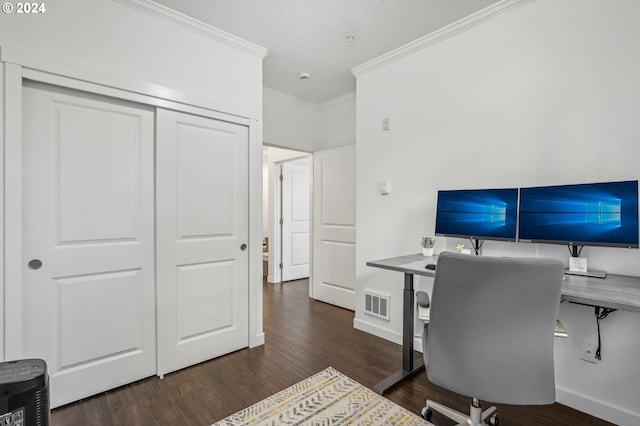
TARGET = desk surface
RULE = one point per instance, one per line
(614, 291)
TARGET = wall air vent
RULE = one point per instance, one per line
(376, 304)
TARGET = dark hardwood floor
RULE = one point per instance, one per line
(302, 337)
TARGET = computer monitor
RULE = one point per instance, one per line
(595, 214)
(480, 214)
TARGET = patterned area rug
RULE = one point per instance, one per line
(327, 398)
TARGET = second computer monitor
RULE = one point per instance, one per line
(600, 214)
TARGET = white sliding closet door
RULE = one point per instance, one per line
(202, 256)
(88, 291)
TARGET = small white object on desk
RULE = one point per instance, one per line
(578, 264)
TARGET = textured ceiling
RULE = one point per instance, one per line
(311, 35)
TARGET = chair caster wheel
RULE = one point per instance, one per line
(426, 413)
(494, 420)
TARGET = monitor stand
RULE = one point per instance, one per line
(477, 245)
(588, 273)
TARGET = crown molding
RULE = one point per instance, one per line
(195, 26)
(268, 92)
(458, 27)
(337, 101)
(331, 103)
(286, 97)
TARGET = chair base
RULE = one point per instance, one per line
(476, 416)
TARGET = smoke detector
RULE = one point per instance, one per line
(304, 76)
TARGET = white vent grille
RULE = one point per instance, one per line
(376, 304)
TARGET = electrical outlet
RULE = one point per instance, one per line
(386, 124)
(589, 352)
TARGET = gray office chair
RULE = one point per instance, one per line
(490, 332)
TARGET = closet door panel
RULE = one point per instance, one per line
(202, 262)
(88, 288)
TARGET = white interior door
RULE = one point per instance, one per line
(295, 221)
(202, 261)
(334, 231)
(88, 305)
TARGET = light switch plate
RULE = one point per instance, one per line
(384, 188)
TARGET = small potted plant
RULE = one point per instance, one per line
(427, 246)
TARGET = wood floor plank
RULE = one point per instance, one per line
(303, 337)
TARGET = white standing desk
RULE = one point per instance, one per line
(613, 292)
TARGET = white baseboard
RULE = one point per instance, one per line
(376, 330)
(586, 404)
(257, 340)
(385, 333)
(417, 343)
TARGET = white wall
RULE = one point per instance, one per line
(546, 94)
(265, 198)
(108, 36)
(288, 122)
(336, 122)
(293, 124)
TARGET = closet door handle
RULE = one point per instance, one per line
(243, 247)
(34, 264)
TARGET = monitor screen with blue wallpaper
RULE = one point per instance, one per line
(487, 214)
(603, 214)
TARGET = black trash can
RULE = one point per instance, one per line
(24, 393)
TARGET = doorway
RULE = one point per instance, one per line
(286, 214)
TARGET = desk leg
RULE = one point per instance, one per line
(409, 364)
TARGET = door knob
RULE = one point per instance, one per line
(243, 247)
(35, 264)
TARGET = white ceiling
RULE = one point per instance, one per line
(311, 35)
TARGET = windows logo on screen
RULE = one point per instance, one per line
(603, 212)
(496, 214)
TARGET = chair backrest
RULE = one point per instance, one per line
(490, 334)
